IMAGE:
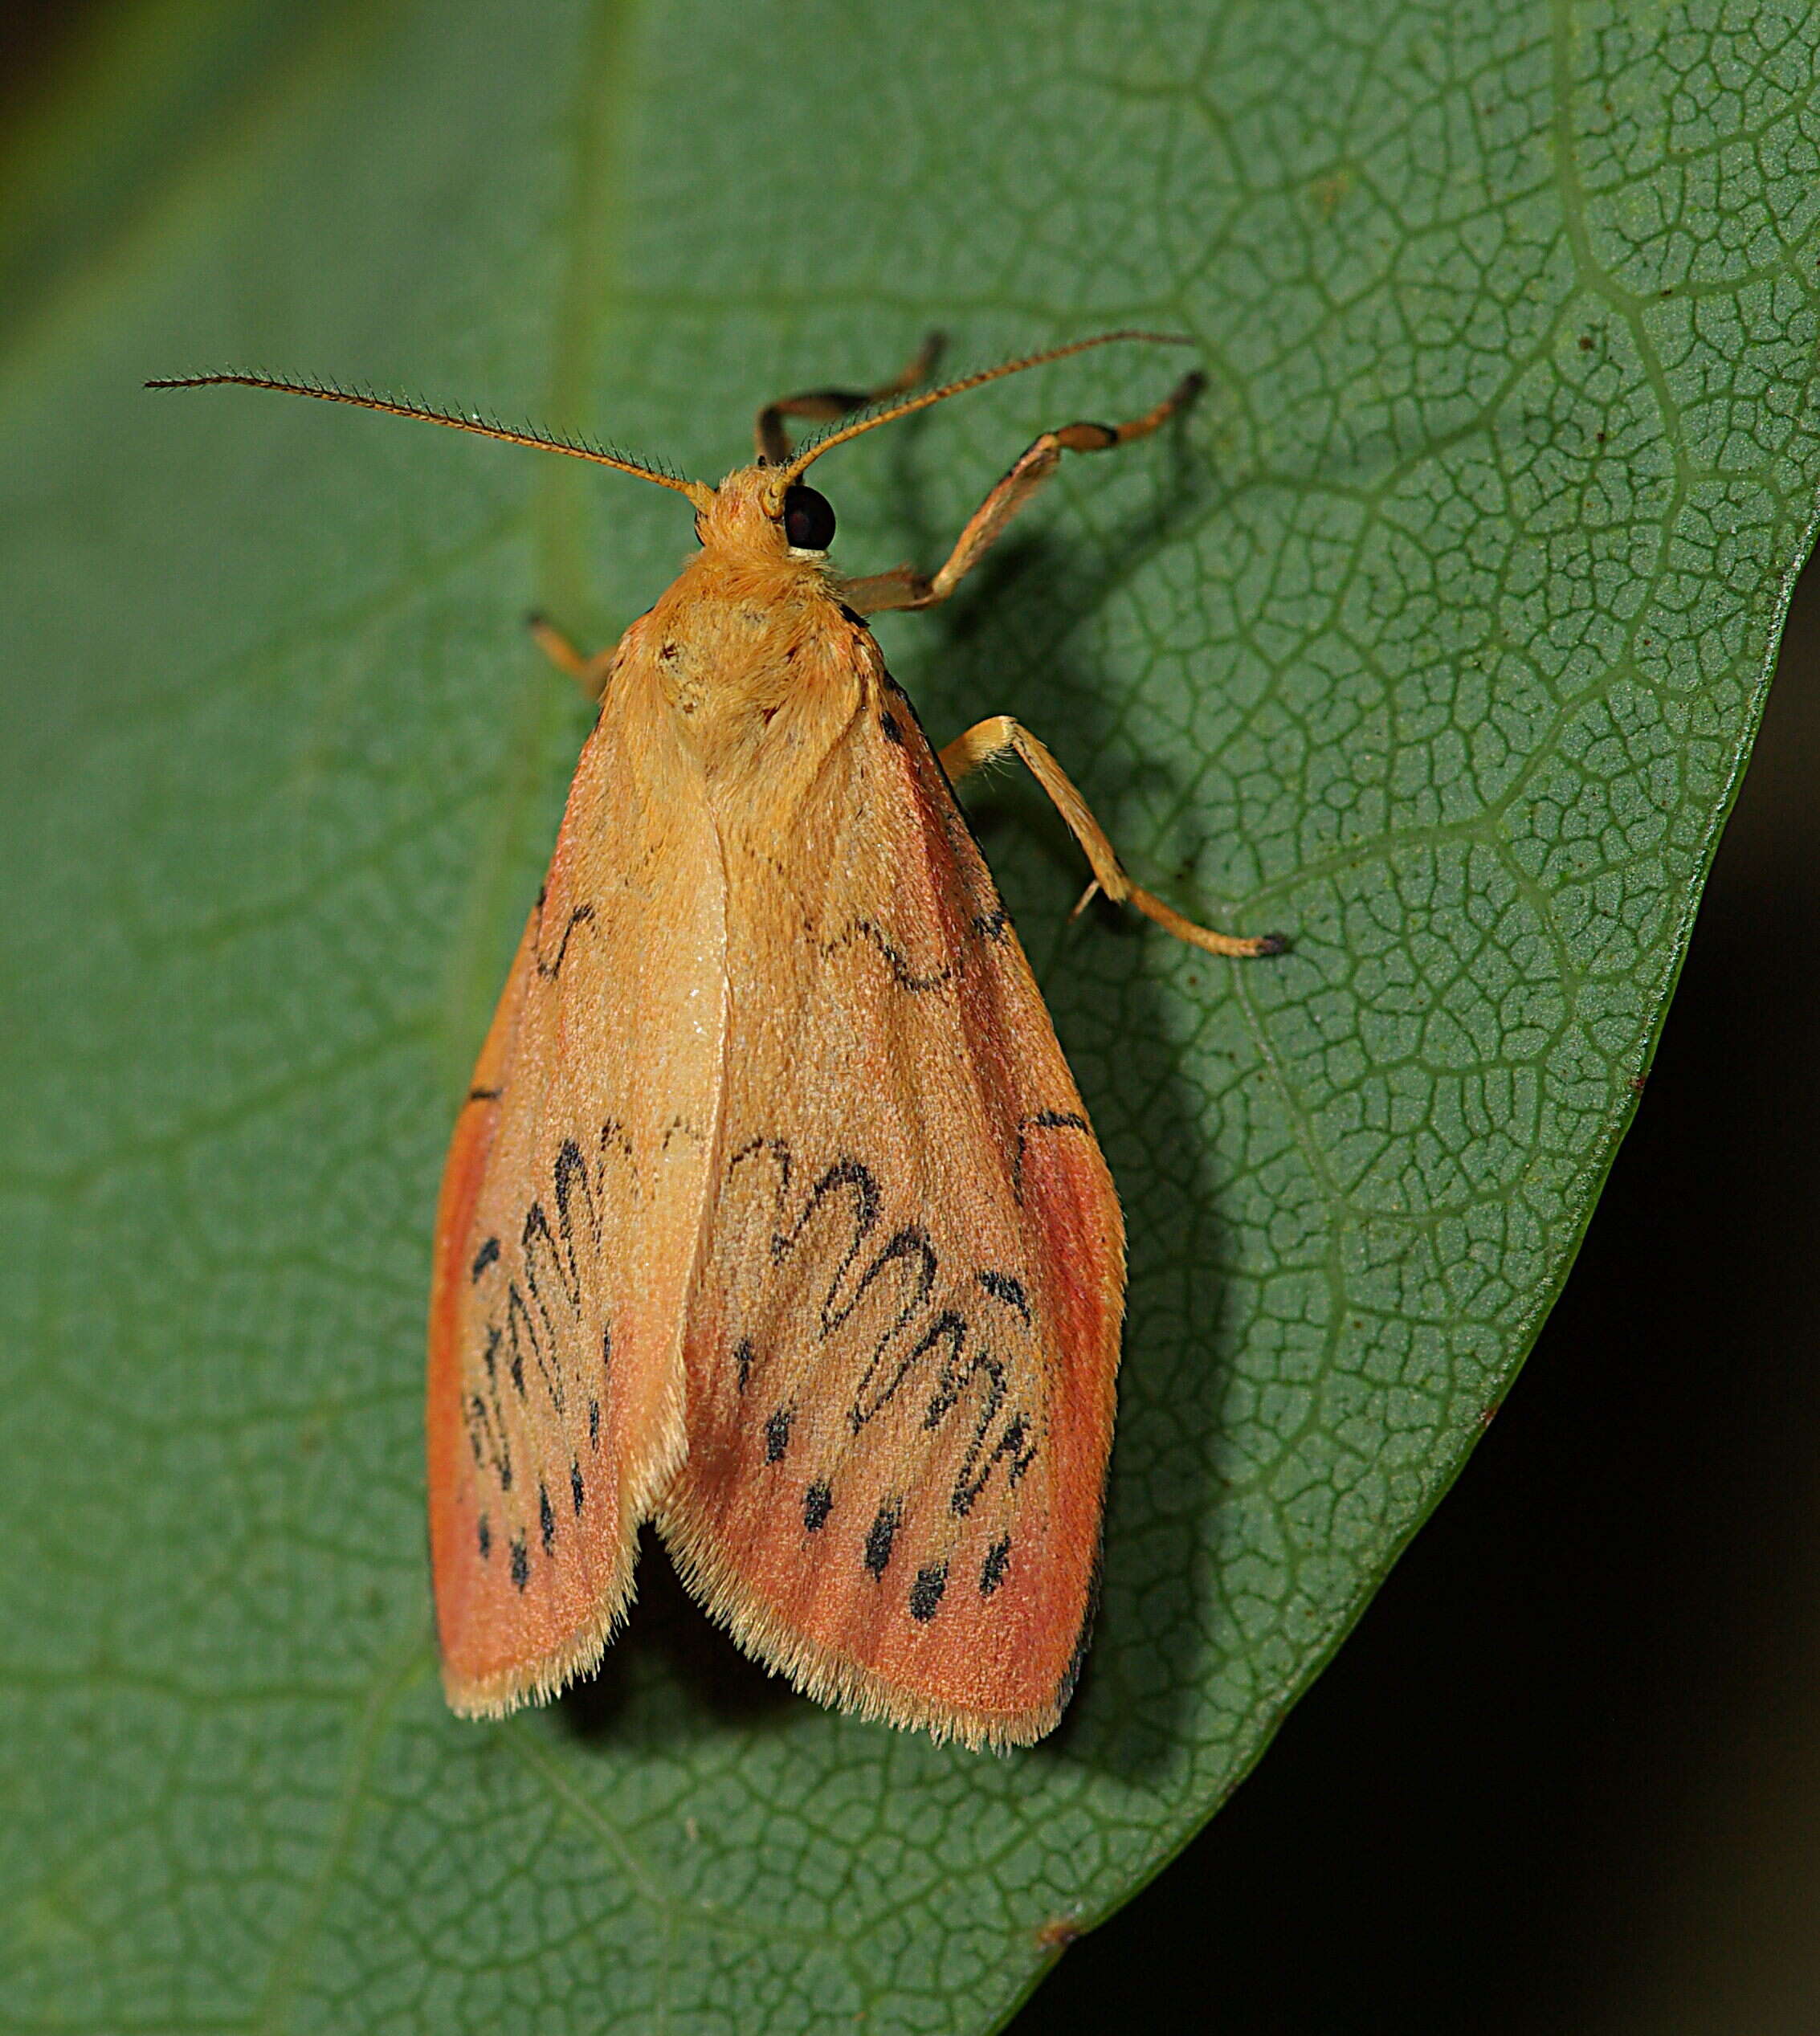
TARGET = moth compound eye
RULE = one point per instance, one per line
(809, 520)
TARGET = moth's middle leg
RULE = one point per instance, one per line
(1003, 736)
(823, 406)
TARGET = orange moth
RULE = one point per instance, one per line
(773, 1214)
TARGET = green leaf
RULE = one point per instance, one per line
(1436, 639)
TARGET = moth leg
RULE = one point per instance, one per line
(1002, 736)
(589, 673)
(906, 588)
(823, 405)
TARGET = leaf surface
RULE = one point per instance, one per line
(1436, 639)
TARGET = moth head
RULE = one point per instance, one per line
(751, 513)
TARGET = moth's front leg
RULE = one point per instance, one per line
(589, 672)
(906, 588)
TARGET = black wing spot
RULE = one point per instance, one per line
(574, 1200)
(518, 1372)
(893, 956)
(871, 1396)
(879, 1536)
(1043, 1120)
(546, 1518)
(843, 1174)
(925, 1593)
(486, 1255)
(817, 1503)
(852, 615)
(549, 970)
(521, 1562)
(993, 925)
(743, 1354)
(777, 1436)
(484, 1536)
(488, 1415)
(593, 1424)
(1011, 1444)
(577, 1490)
(977, 1466)
(887, 721)
(1002, 1287)
(1055, 1121)
(992, 1570)
(606, 1348)
(542, 1254)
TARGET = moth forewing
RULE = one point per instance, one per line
(572, 1208)
(905, 1330)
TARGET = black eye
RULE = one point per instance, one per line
(809, 520)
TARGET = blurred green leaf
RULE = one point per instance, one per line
(1437, 639)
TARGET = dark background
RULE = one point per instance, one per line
(1566, 1774)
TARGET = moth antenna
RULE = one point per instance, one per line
(486, 427)
(816, 448)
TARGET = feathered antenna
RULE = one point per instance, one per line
(869, 421)
(486, 427)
